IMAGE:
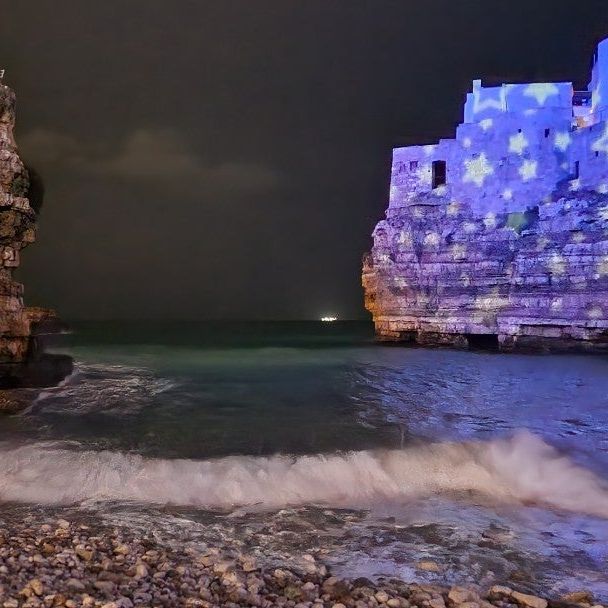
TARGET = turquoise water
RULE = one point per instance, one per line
(495, 466)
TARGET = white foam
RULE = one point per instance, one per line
(102, 388)
(519, 469)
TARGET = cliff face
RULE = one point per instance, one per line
(439, 274)
(17, 230)
(23, 362)
(499, 237)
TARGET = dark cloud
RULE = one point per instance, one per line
(156, 156)
(212, 158)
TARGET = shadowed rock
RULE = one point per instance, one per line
(22, 360)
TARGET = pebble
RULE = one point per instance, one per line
(85, 554)
(577, 597)
(75, 585)
(382, 597)
(71, 564)
(523, 599)
(36, 586)
(428, 566)
(460, 595)
(106, 587)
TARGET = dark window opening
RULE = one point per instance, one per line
(439, 173)
(596, 154)
(413, 165)
(483, 341)
(581, 98)
(576, 171)
(547, 131)
(519, 130)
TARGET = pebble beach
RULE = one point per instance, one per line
(48, 562)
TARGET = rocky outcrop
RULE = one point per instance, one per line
(499, 237)
(17, 230)
(439, 274)
(21, 359)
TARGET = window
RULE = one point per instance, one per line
(597, 153)
(547, 132)
(413, 165)
(576, 171)
(439, 173)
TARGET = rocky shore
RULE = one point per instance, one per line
(50, 562)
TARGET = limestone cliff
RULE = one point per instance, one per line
(17, 229)
(499, 237)
(437, 274)
(23, 362)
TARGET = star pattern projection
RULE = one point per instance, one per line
(432, 239)
(425, 175)
(453, 208)
(477, 169)
(602, 267)
(489, 220)
(578, 237)
(393, 194)
(507, 194)
(459, 252)
(405, 239)
(562, 140)
(595, 312)
(596, 97)
(541, 91)
(557, 264)
(488, 102)
(528, 170)
(518, 143)
(601, 143)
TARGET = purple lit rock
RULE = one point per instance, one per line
(499, 237)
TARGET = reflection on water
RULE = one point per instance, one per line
(496, 510)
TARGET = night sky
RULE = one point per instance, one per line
(231, 158)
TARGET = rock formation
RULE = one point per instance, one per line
(20, 327)
(499, 238)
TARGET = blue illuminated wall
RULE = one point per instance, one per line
(517, 142)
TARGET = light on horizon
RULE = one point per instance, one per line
(329, 319)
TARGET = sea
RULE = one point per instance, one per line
(307, 438)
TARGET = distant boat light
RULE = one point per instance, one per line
(329, 319)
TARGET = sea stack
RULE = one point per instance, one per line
(21, 360)
(499, 238)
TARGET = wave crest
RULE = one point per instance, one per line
(521, 469)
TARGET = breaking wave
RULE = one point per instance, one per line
(102, 389)
(520, 469)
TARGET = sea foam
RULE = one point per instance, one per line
(519, 469)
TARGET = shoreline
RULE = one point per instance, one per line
(46, 561)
